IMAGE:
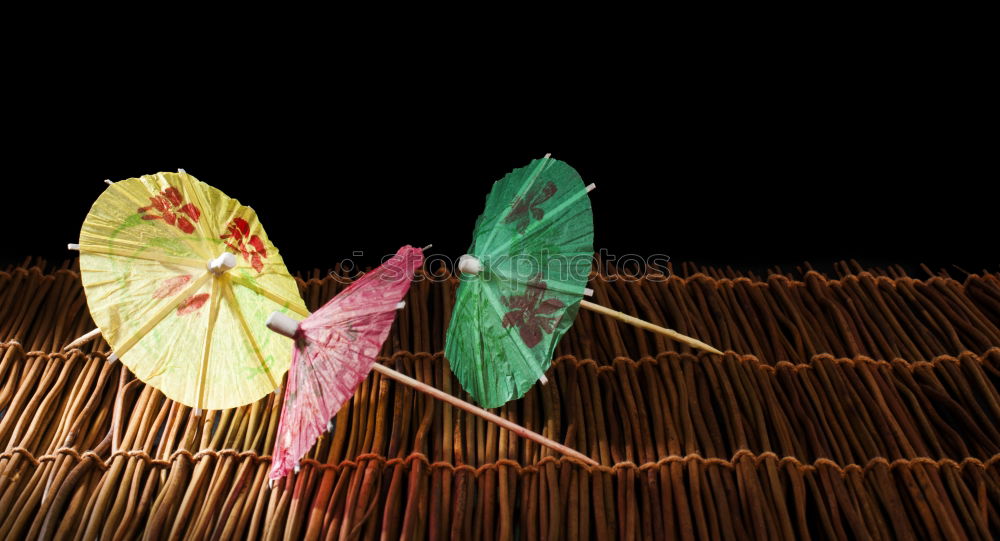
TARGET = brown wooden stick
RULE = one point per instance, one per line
(476, 410)
(625, 318)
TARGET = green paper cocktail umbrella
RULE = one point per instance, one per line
(523, 282)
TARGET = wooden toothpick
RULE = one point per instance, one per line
(83, 339)
(625, 318)
(476, 410)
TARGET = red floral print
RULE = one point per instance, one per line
(523, 209)
(171, 286)
(239, 233)
(192, 304)
(528, 312)
(171, 208)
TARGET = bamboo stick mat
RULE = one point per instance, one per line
(863, 405)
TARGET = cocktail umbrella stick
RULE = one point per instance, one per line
(642, 324)
(83, 339)
(475, 410)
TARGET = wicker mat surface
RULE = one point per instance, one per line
(859, 406)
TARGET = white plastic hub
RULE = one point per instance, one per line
(222, 263)
(469, 264)
(282, 324)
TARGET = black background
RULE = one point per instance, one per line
(773, 169)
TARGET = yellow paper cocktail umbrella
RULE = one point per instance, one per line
(179, 278)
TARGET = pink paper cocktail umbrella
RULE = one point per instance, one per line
(335, 349)
(337, 346)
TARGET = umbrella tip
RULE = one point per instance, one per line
(470, 264)
(400, 305)
(425, 248)
(282, 324)
(710, 349)
(108, 181)
(222, 263)
(591, 187)
(73, 246)
(181, 171)
(547, 156)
